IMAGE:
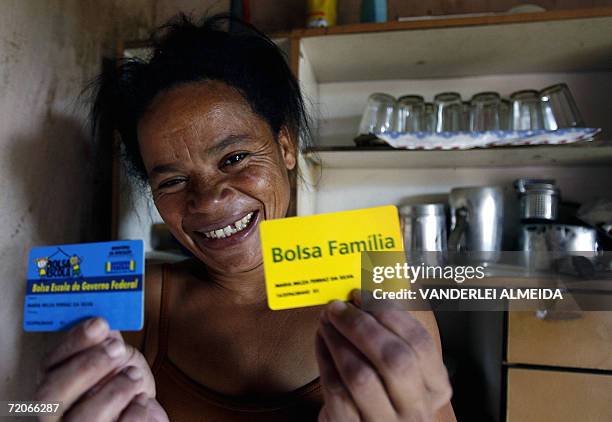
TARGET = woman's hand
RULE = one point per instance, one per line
(98, 377)
(378, 366)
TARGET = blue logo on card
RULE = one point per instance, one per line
(59, 265)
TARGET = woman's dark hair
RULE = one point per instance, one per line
(186, 51)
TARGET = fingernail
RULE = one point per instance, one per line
(142, 399)
(95, 327)
(336, 307)
(114, 348)
(356, 296)
(134, 373)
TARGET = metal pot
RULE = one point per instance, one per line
(557, 238)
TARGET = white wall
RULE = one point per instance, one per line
(48, 50)
(342, 189)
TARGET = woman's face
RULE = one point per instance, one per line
(216, 171)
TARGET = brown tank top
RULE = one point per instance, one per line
(186, 400)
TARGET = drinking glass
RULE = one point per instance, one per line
(526, 110)
(410, 114)
(485, 111)
(430, 118)
(465, 115)
(447, 107)
(558, 108)
(504, 116)
(379, 114)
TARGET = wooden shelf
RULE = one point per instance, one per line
(551, 41)
(449, 21)
(505, 44)
(593, 154)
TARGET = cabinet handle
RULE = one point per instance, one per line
(456, 239)
(558, 315)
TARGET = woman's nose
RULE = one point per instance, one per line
(208, 195)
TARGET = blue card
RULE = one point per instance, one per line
(70, 283)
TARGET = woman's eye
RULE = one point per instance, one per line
(234, 158)
(170, 183)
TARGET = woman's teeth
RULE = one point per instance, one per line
(231, 229)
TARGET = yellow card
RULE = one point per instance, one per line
(315, 259)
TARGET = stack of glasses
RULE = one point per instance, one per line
(550, 109)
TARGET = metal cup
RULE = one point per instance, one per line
(424, 227)
(477, 217)
(425, 232)
(539, 198)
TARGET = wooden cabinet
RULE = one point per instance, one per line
(559, 369)
(584, 342)
(555, 396)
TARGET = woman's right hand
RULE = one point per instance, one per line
(98, 377)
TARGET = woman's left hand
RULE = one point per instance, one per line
(378, 366)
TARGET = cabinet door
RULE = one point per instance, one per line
(542, 396)
(585, 342)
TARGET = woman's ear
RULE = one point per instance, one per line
(288, 147)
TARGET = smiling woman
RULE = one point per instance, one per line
(215, 167)
(212, 123)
